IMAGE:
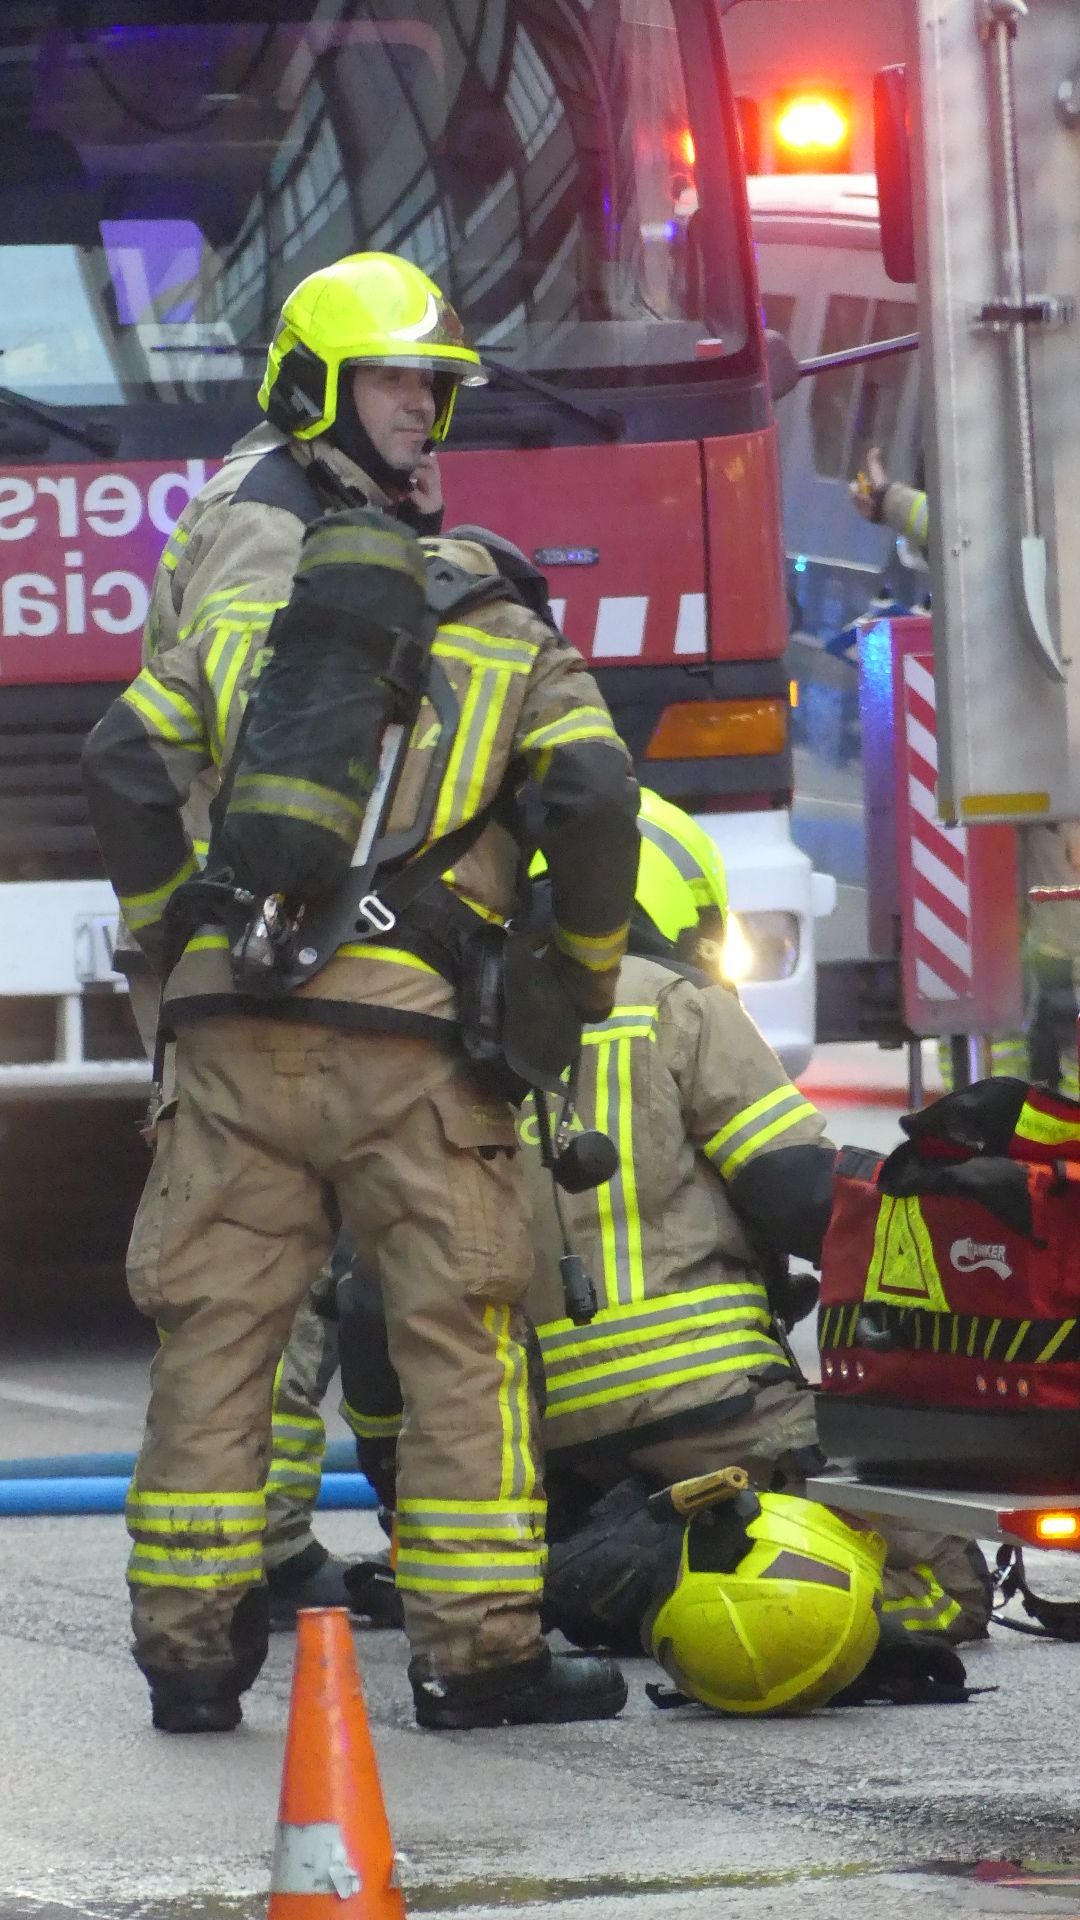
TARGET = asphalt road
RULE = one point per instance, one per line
(866, 1812)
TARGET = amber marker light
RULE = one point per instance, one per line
(719, 729)
(1043, 1526)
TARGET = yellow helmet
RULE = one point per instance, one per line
(368, 309)
(688, 847)
(775, 1606)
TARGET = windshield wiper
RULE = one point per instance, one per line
(609, 424)
(100, 439)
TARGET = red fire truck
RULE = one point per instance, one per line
(571, 173)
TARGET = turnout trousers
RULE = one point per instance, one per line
(281, 1132)
(305, 1371)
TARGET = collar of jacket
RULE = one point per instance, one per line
(264, 438)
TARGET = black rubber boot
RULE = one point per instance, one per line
(186, 1708)
(373, 1596)
(550, 1690)
(311, 1578)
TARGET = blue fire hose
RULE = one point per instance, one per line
(106, 1493)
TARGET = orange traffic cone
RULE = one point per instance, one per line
(334, 1855)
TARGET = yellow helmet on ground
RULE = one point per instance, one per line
(693, 854)
(775, 1606)
(370, 309)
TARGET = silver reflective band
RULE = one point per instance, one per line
(378, 917)
(313, 1859)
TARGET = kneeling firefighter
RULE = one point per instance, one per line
(724, 1172)
(337, 1023)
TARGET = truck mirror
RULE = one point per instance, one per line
(781, 367)
(892, 164)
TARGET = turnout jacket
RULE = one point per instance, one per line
(722, 1165)
(527, 706)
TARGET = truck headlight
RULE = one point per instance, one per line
(760, 946)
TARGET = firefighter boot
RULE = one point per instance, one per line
(187, 1705)
(311, 1578)
(549, 1690)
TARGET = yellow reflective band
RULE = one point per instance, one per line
(165, 713)
(592, 1037)
(582, 723)
(372, 1426)
(228, 655)
(762, 1353)
(496, 694)
(485, 649)
(903, 1270)
(602, 1332)
(518, 1475)
(742, 1120)
(1061, 1335)
(145, 909)
(1046, 1129)
(506, 1530)
(423, 1507)
(761, 1139)
(988, 1347)
(399, 956)
(720, 1340)
(445, 809)
(204, 942)
(229, 598)
(597, 952)
(610, 1277)
(627, 1176)
(282, 795)
(411, 1582)
(174, 547)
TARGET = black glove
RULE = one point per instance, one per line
(909, 1670)
(372, 1592)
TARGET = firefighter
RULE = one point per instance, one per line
(349, 1101)
(367, 453)
(724, 1173)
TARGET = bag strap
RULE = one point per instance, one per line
(1055, 1619)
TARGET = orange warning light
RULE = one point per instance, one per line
(687, 149)
(1043, 1526)
(813, 131)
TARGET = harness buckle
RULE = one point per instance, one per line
(376, 913)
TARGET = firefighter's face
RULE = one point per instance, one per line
(397, 407)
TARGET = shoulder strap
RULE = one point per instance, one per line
(278, 481)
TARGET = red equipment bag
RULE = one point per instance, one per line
(949, 1319)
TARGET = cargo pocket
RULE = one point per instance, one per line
(144, 1251)
(492, 1229)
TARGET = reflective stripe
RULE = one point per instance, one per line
(145, 909)
(206, 942)
(446, 1545)
(582, 723)
(195, 1566)
(229, 652)
(750, 1130)
(283, 795)
(464, 753)
(597, 952)
(634, 1022)
(359, 546)
(400, 956)
(485, 649)
(902, 1267)
(181, 1513)
(924, 1329)
(737, 1352)
(262, 611)
(518, 1475)
(656, 1319)
(681, 859)
(1046, 1129)
(174, 547)
(295, 1476)
(372, 1426)
(930, 1612)
(165, 713)
(918, 520)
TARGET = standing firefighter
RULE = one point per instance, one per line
(322, 1012)
(230, 551)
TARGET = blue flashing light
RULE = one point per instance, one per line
(671, 229)
(800, 563)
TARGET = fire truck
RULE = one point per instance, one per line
(572, 175)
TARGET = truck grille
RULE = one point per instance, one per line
(45, 832)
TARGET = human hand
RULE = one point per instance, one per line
(867, 492)
(425, 486)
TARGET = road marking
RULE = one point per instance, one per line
(62, 1402)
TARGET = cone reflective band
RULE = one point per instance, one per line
(333, 1856)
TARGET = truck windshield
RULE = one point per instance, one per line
(168, 172)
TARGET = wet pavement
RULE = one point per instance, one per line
(863, 1814)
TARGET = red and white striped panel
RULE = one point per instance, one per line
(944, 969)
